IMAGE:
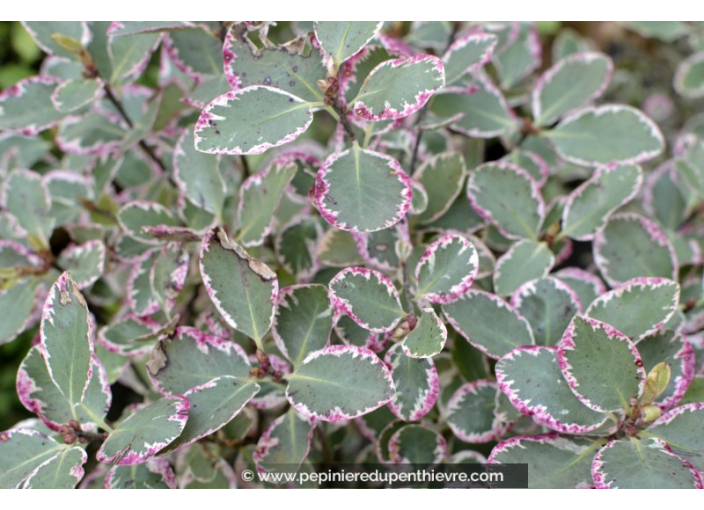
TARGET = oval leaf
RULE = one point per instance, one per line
(470, 413)
(428, 337)
(342, 39)
(524, 261)
(416, 382)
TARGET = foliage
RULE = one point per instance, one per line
(265, 246)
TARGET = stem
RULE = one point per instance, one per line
(342, 118)
(245, 167)
(97, 419)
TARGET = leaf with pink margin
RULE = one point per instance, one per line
(442, 176)
(671, 348)
(198, 175)
(360, 190)
(505, 195)
(285, 444)
(553, 462)
(447, 269)
(368, 297)
(130, 53)
(524, 261)
(630, 237)
(689, 76)
(320, 387)
(18, 304)
(569, 84)
(531, 378)
(296, 245)
(342, 39)
(284, 67)
(251, 121)
(213, 405)
(470, 413)
(121, 335)
(196, 52)
(642, 464)
(64, 471)
(398, 88)
(589, 207)
(352, 334)
(139, 291)
(519, 56)
(242, 288)
(43, 33)
(381, 446)
(74, 94)
(467, 53)
(588, 286)
(592, 136)
(146, 432)
(134, 215)
(168, 233)
(155, 473)
(601, 365)
(260, 196)
(488, 323)
(379, 248)
(168, 275)
(427, 338)
(532, 163)
(93, 133)
(682, 428)
(639, 307)
(417, 384)
(478, 111)
(40, 395)
(548, 304)
(357, 68)
(202, 467)
(85, 262)
(66, 339)
(22, 451)
(417, 444)
(303, 321)
(338, 248)
(27, 108)
(27, 198)
(191, 358)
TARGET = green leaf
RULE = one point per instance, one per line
(342, 39)
(198, 176)
(122, 335)
(296, 244)
(362, 191)
(682, 428)
(153, 474)
(43, 33)
(479, 112)
(242, 288)
(553, 462)
(22, 452)
(520, 56)
(447, 269)
(631, 246)
(667, 31)
(600, 364)
(130, 53)
(417, 444)
(368, 297)
(284, 445)
(594, 136)
(93, 133)
(531, 379)
(196, 52)
(548, 305)
(634, 464)
(508, 197)
(689, 77)
(66, 339)
(467, 54)
(589, 206)
(442, 176)
(416, 382)
(398, 88)
(303, 321)
(488, 323)
(86, 262)
(260, 195)
(213, 404)
(17, 304)
(251, 121)
(144, 433)
(74, 94)
(470, 413)
(27, 106)
(319, 388)
(64, 471)
(570, 83)
(532, 163)
(338, 249)
(190, 358)
(639, 307)
(135, 215)
(427, 338)
(139, 290)
(27, 198)
(523, 262)
(379, 249)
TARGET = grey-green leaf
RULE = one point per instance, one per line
(284, 445)
(428, 337)
(342, 39)
(524, 261)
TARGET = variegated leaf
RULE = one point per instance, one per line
(86, 262)
(74, 94)
(285, 444)
(36, 91)
(22, 452)
(26, 197)
(342, 39)
(442, 177)
(689, 77)
(416, 382)
(447, 269)
(417, 444)
(467, 54)
(427, 338)
(470, 413)
(135, 215)
(523, 262)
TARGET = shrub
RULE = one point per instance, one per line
(273, 246)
